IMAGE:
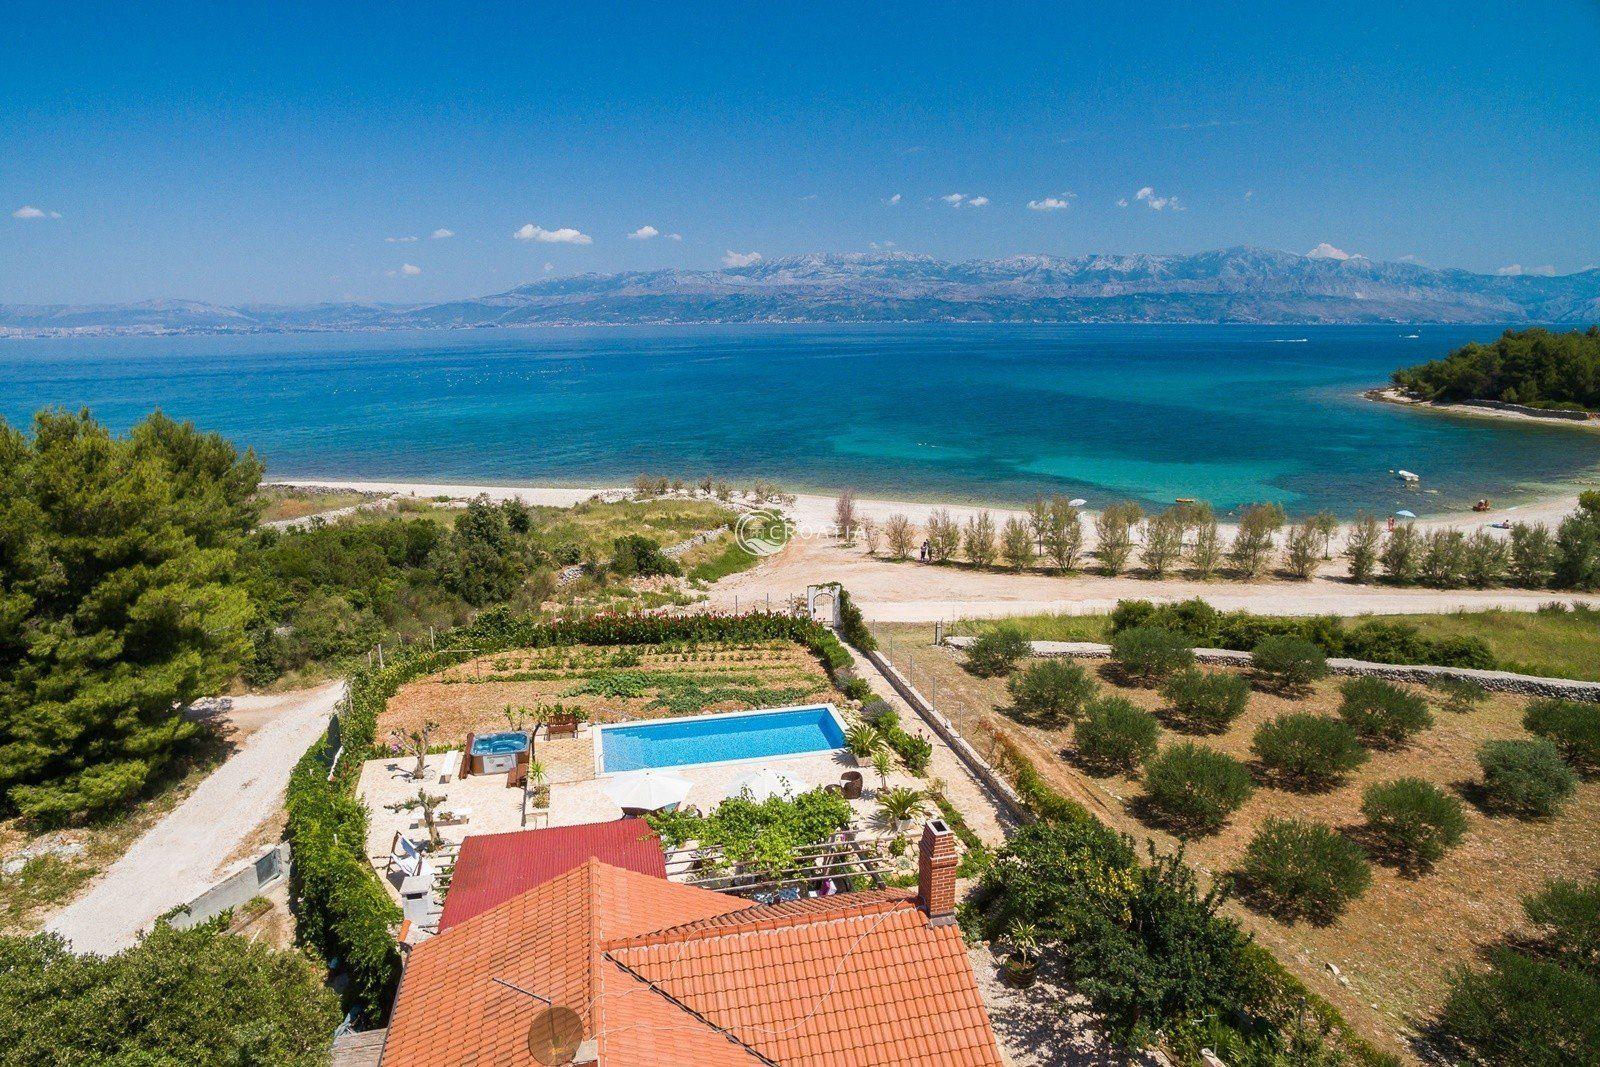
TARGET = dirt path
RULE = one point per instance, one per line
(915, 592)
(180, 856)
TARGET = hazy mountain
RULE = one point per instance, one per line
(1231, 285)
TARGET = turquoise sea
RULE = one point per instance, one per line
(1000, 413)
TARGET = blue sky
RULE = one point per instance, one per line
(277, 152)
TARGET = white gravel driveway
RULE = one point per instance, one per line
(179, 857)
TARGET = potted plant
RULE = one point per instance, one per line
(900, 807)
(862, 741)
(1021, 964)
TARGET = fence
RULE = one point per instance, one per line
(269, 868)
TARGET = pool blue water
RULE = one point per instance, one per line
(678, 742)
(499, 744)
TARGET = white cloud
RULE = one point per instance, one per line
(1052, 203)
(441, 233)
(408, 270)
(644, 233)
(1516, 269)
(1123, 202)
(1156, 203)
(881, 245)
(1249, 194)
(564, 236)
(740, 259)
(1413, 258)
(895, 199)
(674, 236)
(399, 240)
(548, 267)
(963, 200)
(1327, 251)
(28, 211)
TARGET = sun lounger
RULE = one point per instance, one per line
(450, 767)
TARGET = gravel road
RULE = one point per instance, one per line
(179, 857)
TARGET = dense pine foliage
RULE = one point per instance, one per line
(120, 602)
(1533, 367)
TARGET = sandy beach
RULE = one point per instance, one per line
(812, 513)
(906, 591)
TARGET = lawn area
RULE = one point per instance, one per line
(610, 683)
(1552, 643)
(1397, 943)
(279, 502)
(594, 525)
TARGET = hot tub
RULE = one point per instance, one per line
(498, 753)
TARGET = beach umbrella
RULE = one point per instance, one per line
(1076, 502)
(766, 783)
(647, 790)
(1405, 514)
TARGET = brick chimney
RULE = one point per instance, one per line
(936, 873)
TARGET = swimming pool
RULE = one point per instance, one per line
(733, 737)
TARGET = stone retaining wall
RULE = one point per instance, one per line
(990, 778)
(1498, 681)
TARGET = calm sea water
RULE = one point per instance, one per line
(1231, 414)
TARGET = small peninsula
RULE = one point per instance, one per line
(1534, 371)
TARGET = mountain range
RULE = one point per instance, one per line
(1235, 285)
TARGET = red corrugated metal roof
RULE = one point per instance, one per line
(493, 868)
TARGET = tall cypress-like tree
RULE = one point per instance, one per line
(119, 602)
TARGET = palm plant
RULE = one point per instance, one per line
(883, 763)
(863, 739)
(901, 804)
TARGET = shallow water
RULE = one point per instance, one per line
(1232, 414)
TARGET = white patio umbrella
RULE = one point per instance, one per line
(1405, 514)
(648, 790)
(766, 783)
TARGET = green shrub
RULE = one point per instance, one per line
(196, 996)
(1289, 664)
(636, 554)
(1307, 752)
(996, 652)
(1114, 736)
(1148, 654)
(1052, 690)
(1384, 714)
(1526, 1011)
(1458, 695)
(1525, 778)
(915, 752)
(852, 627)
(1413, 822)
(1383, 642)
(1297, 870)
(1205, 703)
(1572, 727)
(1193, 788)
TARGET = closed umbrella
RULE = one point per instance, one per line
(766, 783)
(648, 790)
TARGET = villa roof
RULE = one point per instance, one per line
(492, 868)
(668, 973)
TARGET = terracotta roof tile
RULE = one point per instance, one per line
(666, 974)
(492, 868)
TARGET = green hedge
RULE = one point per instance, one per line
(1379, 642)
(341, 908)
(852, 627)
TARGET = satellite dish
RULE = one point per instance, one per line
(554, 1035)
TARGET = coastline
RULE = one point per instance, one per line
(813, 512)
(1392, 395)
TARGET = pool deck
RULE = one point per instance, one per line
(576, 795)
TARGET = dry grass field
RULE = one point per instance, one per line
(610, 683)
(1395, 945)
